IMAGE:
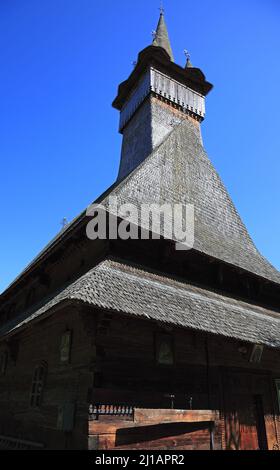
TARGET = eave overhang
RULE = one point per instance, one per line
(157, 57)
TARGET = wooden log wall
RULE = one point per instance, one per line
(206, 373)
(155, 429)
(113, 361)
(65, 383)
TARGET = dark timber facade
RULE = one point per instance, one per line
(114, 344)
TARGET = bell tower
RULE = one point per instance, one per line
(157, 96)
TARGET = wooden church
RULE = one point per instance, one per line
(134, 344)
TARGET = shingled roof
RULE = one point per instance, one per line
(132, 290)
(179, 171)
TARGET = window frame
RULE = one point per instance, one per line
(38, 385)
(63, 358)
(158, 337)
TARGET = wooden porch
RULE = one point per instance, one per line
(122, 427)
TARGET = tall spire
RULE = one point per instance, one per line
(161, 37)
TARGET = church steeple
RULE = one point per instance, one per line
(157, 96)
(161, 37)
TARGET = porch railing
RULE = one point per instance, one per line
(97, 410)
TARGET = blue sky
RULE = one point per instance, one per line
(60, 64)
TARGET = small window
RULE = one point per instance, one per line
(164, 349)
(3, 362)
(277, 383)
(38, 382)
(65, 347)
(256, 354)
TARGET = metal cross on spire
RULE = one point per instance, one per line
(161, 8)
(64, 222)
(188, 57)
(187, 54)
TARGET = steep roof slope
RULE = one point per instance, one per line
(161, 38)
(179, 171)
